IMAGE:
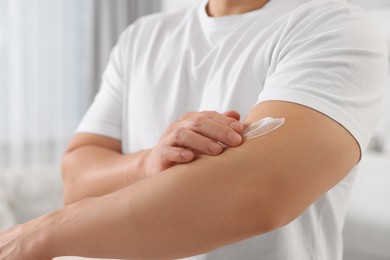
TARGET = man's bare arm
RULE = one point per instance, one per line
(94, 165)
(193, 208)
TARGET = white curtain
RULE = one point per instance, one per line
(52, 53)
(107, 20)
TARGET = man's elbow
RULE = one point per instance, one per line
(267, 205)
(267, 216)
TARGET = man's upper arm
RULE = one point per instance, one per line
(298, 162)
(288, 169)
(248, 190)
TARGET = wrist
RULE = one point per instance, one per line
(136, 169)
(60, 229)
(48, 235)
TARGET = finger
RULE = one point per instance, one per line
(227, 120)
(171, 154)
(217, 132)
(232, 113)
(187, 138)
(223, 134)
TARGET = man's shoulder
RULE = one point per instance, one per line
(329, 11)
(335, 22)
(321, 6)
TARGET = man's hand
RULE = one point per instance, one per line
(94, 165)
(195, 208)
(193, 134)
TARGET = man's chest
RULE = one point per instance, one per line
(165, 85)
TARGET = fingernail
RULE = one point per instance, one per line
(186, 155)
(236, 126)
(214, 148)
(234, 138)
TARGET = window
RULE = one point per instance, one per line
(47, 77)
(42, 64)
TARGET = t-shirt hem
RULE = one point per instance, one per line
(322, 106)
(100, 129)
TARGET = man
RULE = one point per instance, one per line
(149, 179)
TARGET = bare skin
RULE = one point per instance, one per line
(94, 165)
(216, 8)
(193, 208)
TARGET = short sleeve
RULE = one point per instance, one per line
(104, 116)
(331, 59)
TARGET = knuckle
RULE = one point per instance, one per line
(167, 154)
(205, 148)
(173, 154)
(162, 152)
(198, 121)
(220, 132)
(229, 120)
(210, 114)
(176, 127)
(187, 115)
(178, 135)
(176, 155)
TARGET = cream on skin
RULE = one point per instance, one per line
(262, 127)
(99, 160)
(194, 208)
(197, 207)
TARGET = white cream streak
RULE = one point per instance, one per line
(262, 127)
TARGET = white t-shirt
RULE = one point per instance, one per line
(323, 54)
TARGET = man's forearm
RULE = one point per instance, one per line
(92, 171)
(177, 213)
(194, 208)
(94, 165)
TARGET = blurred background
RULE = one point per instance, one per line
(52, 53)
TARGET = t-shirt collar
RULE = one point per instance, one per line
(215, 23)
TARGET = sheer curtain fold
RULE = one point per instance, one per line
(52, 54)
(105, 28)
